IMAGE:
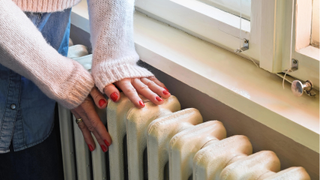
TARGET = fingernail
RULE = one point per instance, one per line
(104, 149)
(141, 103)
(102, 102)
(165, 92)
(159, 99)
(166, 89)
(114, 96)
(107, 143)
(90, 147)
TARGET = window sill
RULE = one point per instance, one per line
(224, 76)
(311, 52)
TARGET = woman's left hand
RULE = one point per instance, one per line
(91, 121)
(151, 88)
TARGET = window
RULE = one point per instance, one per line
(206, 21)
(272, 28)
(305, 41)
(235, 7)
(315, 24)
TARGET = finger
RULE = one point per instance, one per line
(94, 124)
(93, 128)
(156, 88)
(98, 98)
(75, 113)
(87, 136)
(112, 92)
(144, 90)
(85, 132)
(104, 146)
(94, 132)
(155, 80)
(127, 88)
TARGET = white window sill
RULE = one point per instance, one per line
(311, 51)
(224, 76)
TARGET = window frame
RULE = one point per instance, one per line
(315, 23)
(307, 55)
(231, 6)
(271, 43)
(203, 26)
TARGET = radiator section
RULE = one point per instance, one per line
(161, 131)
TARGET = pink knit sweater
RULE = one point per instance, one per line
(24, 50)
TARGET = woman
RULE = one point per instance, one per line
(34, 74)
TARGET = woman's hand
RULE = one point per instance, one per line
(91, 121)
(151, 88)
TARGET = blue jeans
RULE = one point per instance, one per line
(25, 128)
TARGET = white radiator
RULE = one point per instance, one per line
(165, 142)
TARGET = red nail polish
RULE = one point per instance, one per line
(166, 89)
(159, 99)
(104, 149)
(90, 147)
(141, 103)
(106, 142)
(114, 96)
(102, 102)
(165, 92)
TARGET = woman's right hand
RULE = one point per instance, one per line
(151, 88)
(91, 122)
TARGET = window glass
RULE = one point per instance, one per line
(236, 7)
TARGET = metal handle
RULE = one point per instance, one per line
(297, 87)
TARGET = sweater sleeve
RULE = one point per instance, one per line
(114, 55)
(24, 50)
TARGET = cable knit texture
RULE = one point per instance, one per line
(24, 50)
